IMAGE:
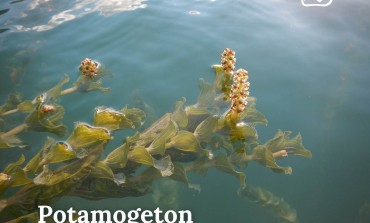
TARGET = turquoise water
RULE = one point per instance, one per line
(308, 68)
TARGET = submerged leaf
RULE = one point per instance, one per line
(135, 115)
(207, 94)
(140, 155)
(16, 174)
(10, 142)
(111, 119)
(179, 114)
(85, 135)
(43, 120)
(118, 157)
(26, 106)
(101, 170)
(205, 129)
(282, 141)
(265, 157)
(184, 141)
(85, 84)
(59, 152)
(158, 146)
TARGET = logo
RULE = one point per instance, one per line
(319, 3)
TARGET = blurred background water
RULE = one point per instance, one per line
(309, 69)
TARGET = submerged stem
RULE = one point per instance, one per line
(15, 130)
(69, 90)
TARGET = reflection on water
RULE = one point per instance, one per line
(31, 16)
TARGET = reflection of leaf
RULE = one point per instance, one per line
(85, 135)
(184, 141)
(179, 114)
(266, 158)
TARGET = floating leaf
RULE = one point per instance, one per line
(184, 141)
(85, 135)
(179, 114)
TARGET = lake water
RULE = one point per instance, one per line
(309, 69)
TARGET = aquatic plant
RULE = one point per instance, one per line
(218, 131)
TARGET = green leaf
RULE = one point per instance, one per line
(158, 146)
(282, 141)
(101, 170)
(85, 135)
(26, 106)
(184, 141)
(16, 173)
(265, 157)
(140, 155)
(179, 114)
(135, 115)
(51, 121)
(205, 129)
(59, 152)
(118, 157)
(111, 119)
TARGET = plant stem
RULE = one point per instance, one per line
(10, 112)
(69, 90)
(14, 131)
